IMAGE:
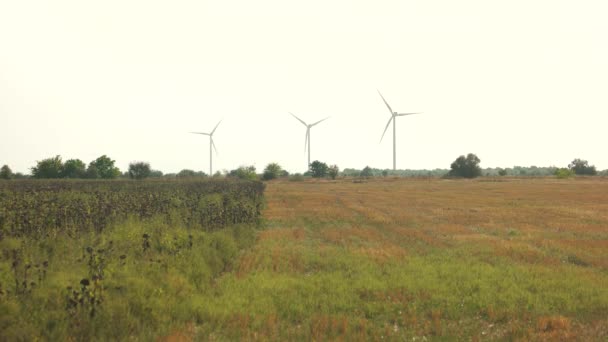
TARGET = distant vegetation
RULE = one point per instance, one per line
(139, 170)
(564, 173)
(318, 169)
(103, 168)
(244, 172)
(6, 172)
(582, 167)
(466, 167)
(272, 171)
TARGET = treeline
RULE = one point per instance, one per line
(490, 171)
(464, 166)
(468, 167)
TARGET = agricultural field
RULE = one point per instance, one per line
(403, 259)
(382, 259)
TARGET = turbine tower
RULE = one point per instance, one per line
(307, 139)
(211, 145)
(393, 116)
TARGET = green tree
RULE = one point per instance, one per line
(564, 173)
(244, 172)
(366, 172)
(581, 167)
(384, 173)
(139, 170)
(92, 171)
(73, 168)
(333, 171)
(103, 167)
(467, 167)
(187, 173)
(6, 172)
(48, 168)
(20, 175)
(502, 172)
(156, 174)
(272, 171)
(318, 169)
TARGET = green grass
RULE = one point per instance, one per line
(145, 294)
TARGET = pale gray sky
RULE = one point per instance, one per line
(516, 82)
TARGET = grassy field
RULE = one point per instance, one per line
(402, 259)
(383, 259)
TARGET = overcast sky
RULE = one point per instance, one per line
(516, 82)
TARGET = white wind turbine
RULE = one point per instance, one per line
(307, 139)
(393, 116)
(211, 144)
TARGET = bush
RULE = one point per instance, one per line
(139, 170)
(333, 171)
(186, 173)
(564, 173)
(502, 172)
(467, 167)
(6, 172)
(318, 169)
(74, 168)
(366, 172)
(48, 168)
(581, 167)
(272, 171)
(103, 167)
(296, 177)
(244, 172)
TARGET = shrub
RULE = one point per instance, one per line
(333, 171)
(366, 172)
(103, 167)
(244, 172)
(318, 169)
(139, 170)
(272, 171)
(74, 168)
(48, 168)
(296, 177)
(467, 167)
(581, 167)
(6, 172)
(564, 173)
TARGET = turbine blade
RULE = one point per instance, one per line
(199, 133)
(386, 103)
(215, 127)
(213, 144)
(303, 123)
(387, 124)
(306, 138)
(319, 121)
(404, 114)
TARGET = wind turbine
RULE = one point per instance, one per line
(307, 139)
(393, 116)
(211, 144)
